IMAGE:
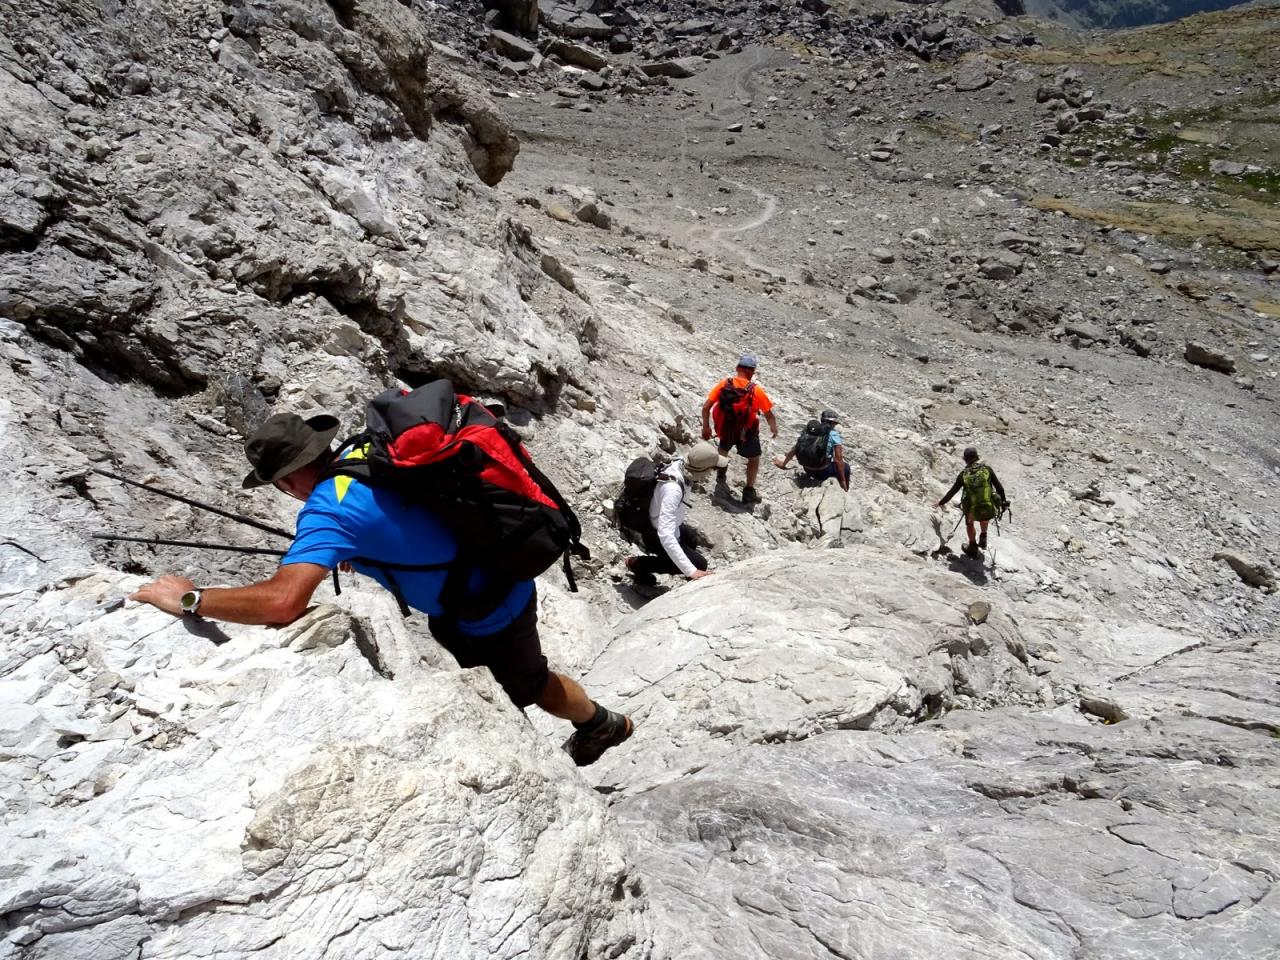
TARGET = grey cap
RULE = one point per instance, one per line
(748, 360)
(285, 443)
(970, 454)
(829, 416)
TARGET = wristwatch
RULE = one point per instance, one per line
(191, 602)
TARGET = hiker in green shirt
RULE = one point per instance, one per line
(983, 499)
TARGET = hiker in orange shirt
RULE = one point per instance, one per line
(736, 404)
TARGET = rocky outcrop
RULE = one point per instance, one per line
(518, 15)
(295, 203)
(310, 791)
(776, 794)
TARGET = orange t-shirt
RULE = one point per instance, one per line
(760, 402)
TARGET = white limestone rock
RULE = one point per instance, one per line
(301, 804)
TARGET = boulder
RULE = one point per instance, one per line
(558, 272)
(1228, 168)
(690, 28)
(1001, 265)
(568, 21)
(975, 73)
(1252, 573)
(675, 69)
(577, 54)
(1088, 332)
(511, 46)
(1209, 357)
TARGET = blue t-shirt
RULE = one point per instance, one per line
(833, 440)
(343, 518)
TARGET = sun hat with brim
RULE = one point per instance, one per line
(285, 443)
(747, 361)
(703, 458)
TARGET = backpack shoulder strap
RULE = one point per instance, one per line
(344, 464)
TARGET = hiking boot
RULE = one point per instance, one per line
(969, 549)
(722, 476)
(749, 496)
(641, 578)
(606, 729)
(982, 540)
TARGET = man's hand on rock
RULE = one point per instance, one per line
(780, 462)
(706, 432)
(699, 574)
(165, 594)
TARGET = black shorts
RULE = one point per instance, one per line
(748, 446)
(513, 654)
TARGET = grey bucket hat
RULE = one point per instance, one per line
(702, 459)
(285, 443)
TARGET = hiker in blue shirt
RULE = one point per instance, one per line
(820, 451)
(407, 550)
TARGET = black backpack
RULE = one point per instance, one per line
(811, 448)
(448, 453)
(631, 509)
(736, 411)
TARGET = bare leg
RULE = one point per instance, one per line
(753, 467)
(968, 526)
(564, 698)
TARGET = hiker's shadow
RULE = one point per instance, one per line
(205, 630)
(726, 501)
(636, 597)
(972, 569)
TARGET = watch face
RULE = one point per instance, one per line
(189, 600)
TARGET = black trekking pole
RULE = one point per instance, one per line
(195, 544)
(239, 518)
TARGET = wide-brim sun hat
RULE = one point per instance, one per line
(702, 459)
(285, 443)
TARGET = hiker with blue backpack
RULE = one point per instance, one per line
(820, 451)
(439, 502)
(736, 405)
(651, 513)
(983, 499)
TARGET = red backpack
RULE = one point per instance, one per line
(735, 411)
(450, 454)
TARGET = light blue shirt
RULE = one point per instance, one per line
(833, 440)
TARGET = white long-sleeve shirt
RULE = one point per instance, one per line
(667, 510)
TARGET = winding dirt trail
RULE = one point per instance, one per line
(739, 86)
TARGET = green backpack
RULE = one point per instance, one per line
(980, 498)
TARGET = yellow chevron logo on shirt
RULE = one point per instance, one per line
(342, 483)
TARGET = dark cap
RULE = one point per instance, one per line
(285, 443)
(970, 454)
(830, 416)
